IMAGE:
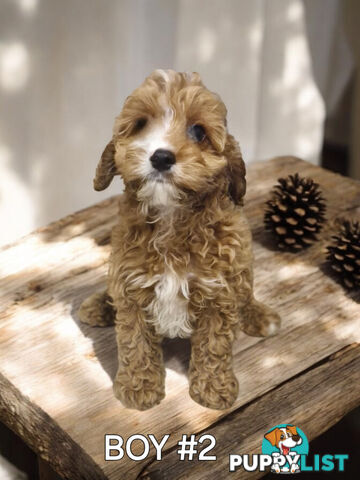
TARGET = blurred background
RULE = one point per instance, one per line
(284, 68)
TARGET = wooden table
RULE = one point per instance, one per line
(56, 374)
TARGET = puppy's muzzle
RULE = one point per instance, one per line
(162, 159)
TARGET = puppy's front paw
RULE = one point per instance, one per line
(218, 392)
(258, 320)
(141, 393)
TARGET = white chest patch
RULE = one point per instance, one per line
(169, 309)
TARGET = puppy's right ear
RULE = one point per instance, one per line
(271, 437)
(106, 168)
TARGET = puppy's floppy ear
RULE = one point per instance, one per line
(292, 429)
(106, 169)
(271, 436)
(235, 170)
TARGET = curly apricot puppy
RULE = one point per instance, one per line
(181, 262)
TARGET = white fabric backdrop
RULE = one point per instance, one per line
(66, 67)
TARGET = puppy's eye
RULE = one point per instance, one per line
(282, 436)
(139, 125)
(196, 133)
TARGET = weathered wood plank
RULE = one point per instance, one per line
(44, 436)
(43, 347)
(310, 401)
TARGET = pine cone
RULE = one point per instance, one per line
(344, 255)
(295, 213)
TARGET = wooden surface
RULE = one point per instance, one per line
(314, 387)
(56, 374)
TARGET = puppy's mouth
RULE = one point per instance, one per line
(161, 177)
(285, 449)
(159, 191)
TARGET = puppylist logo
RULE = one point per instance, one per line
(286, 444)
(285, 449)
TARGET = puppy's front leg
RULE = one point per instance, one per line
(140, 379)
(212, 381)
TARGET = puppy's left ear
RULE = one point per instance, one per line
(235, 170)
(292, 429)
(106, 169)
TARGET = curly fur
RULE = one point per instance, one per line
(181, 262)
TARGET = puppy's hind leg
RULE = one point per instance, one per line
(259, 320)
(97, 310)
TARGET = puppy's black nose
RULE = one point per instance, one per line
(162, 159)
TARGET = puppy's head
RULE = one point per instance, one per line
(284, 438)
(170, 142)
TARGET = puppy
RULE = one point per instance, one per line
(284, 438)
(181, 262)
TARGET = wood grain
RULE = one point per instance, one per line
(309, 401)
(64, 369)
(43, 435)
